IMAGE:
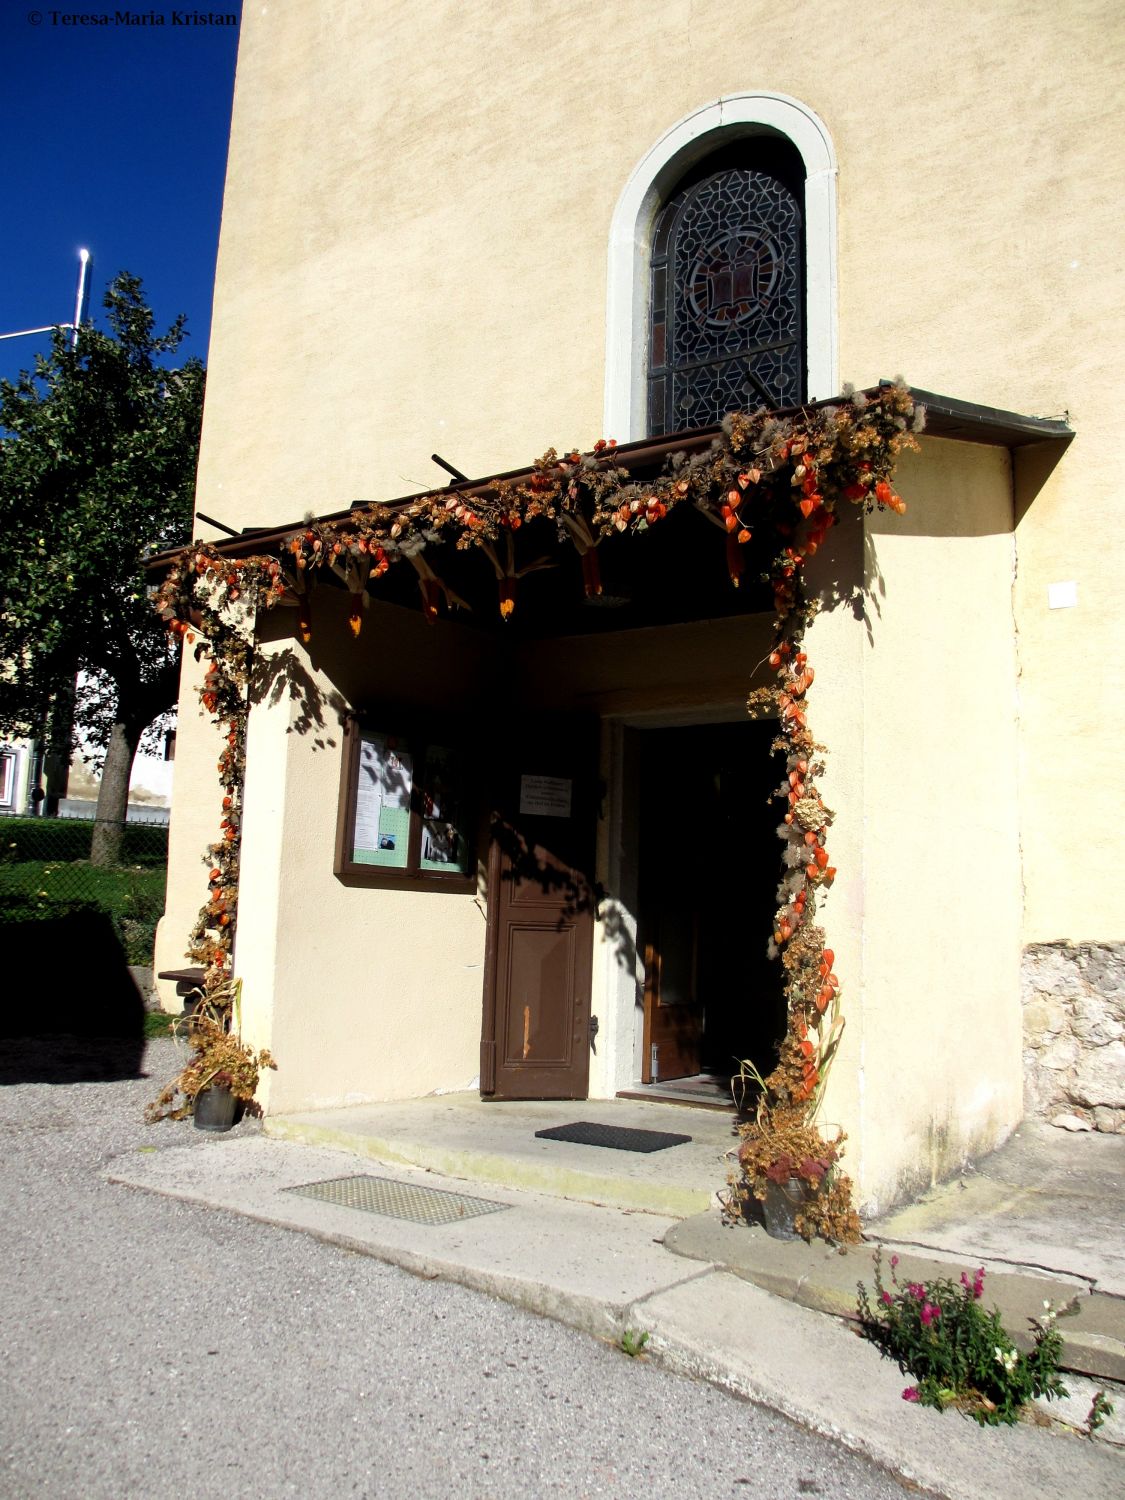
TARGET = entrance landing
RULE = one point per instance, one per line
(465, 1137)
(704, 1090)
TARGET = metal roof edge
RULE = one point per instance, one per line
(946, 417)
(968, 421)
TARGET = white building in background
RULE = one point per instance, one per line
(150, 784)
(15, 772)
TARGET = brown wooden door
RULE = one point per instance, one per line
(535, 1041)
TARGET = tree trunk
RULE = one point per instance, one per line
(113, 795)
(60, 740)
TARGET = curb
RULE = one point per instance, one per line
(825, 1282)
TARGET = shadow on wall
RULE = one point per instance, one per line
(282, 674)
(401, 661)
(387, 663)
(71, 1001)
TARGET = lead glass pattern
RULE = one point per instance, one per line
(726, 327)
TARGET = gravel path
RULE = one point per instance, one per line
(153, 1347)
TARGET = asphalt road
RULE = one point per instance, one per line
(156, 1348)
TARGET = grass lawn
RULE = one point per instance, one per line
(114, 890)
(132, 897)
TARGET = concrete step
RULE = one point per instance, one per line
(465, 1137)
(823, 1279)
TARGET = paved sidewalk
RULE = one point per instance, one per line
(1046, 1198)
(1044, 1214)
(711, 1309)
(154, 1346)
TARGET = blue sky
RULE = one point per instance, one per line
(116, 140)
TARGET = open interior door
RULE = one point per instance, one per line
(673, 1008)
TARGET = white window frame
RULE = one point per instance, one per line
(9, 768)
(695, 136)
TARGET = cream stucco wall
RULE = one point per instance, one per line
(419, 263)
(939, 1035)
(361, 993)
(915, 701)
(194, 824)
(416, 264)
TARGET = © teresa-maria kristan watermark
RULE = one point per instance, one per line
(131, 18)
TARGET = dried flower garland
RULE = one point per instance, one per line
(782, 477)
(219, 1058)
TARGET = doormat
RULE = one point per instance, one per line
(613, 1137)
(398, 1200)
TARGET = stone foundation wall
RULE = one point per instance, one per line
(1074, 1034)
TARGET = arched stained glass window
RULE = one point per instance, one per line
(727, 318)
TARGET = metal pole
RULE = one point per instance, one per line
(80, 298)
(79, 304)
(27, 332)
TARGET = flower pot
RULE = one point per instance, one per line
(214, 1108)
(778, 1209)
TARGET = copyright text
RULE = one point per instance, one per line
(131, 18)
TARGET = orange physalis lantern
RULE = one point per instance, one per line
(507, 597)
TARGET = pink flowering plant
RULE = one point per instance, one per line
(959, 1354)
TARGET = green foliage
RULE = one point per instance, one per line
(633, 1342)
(96, 466)
(1100, 1408)
(158, 1023)
(140, 911)
(35, 904)
(959, 1354)
(133, 899)
(60, 840)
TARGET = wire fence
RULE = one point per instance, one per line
(46, 876)
(139, 812)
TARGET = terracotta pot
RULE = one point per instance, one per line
(214, 1108)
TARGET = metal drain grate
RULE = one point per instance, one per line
(398, 1200)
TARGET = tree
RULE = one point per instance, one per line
(97, 469)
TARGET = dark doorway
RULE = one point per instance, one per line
(708, 873)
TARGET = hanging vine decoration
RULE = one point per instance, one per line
(782, 477)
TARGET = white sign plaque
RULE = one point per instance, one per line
(546, 796)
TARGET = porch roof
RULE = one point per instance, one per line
(946, 417)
